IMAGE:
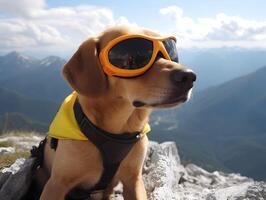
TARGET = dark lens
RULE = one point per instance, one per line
(132, 53)
(171, 49)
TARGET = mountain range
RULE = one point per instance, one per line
(216, 66)
(30, 90)
(222, 127)
(35, 78)
(18, 112)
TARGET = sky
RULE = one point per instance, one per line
(58, 26)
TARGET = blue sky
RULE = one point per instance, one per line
(51, 26)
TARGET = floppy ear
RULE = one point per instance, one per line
(84, 71)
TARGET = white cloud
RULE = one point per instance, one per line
(21, 7)
(29, 25)
(61, 28)
(221, 30)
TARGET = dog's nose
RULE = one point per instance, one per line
(181, 76)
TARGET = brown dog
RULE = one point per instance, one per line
(110, 104)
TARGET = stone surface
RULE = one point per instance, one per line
(164, 176)
(162, 170)
(5, 150)
(23, 142)
(17, 179)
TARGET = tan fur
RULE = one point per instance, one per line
(107, 102)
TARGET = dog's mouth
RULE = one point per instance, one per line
(168, 102)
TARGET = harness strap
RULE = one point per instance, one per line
(113, 147)
(38, 153)
(54, 143)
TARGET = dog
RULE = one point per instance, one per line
(115, 101)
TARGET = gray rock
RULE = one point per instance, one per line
(3, 178)
(5, 150)
(17, 179)
(162, 170)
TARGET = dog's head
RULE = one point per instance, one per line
(165, 84)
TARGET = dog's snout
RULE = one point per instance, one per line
(181, 76)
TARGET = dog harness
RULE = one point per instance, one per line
(70, 122)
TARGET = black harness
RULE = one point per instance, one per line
(113, 147)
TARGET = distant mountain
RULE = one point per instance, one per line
(224, 126)
(37, 79)
(17, 111)
(216, 66)
(236, 104)
(11, 122)
(14, 64)
(53, 62)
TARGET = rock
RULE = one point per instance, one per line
(5, 150)
(17, 179)
(164, 176)
(15, 167)
(3, 178)
(162, 171)
(23, 142)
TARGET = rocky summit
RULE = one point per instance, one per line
(164, 176)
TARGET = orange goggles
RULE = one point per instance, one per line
(132, 55)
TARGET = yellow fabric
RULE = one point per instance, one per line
(65, 126)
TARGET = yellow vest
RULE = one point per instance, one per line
(65, 126)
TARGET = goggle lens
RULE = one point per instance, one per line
(133, 53)
(170, 46)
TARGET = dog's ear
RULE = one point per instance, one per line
(84, 71)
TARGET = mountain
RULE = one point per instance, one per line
(53, 62)
(224, 126)
(17, 122)
(30, 90)
(237, 102)
(14, 64)
(216, 66)
(18, 111)
(37, 79)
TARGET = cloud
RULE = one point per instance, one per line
(30, 25)
(236, 28)
(49, 29)
(21, 7)
(221, 30)
(18, 33)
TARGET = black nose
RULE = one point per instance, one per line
(181, 76)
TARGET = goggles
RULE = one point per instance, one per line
(132, 55)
